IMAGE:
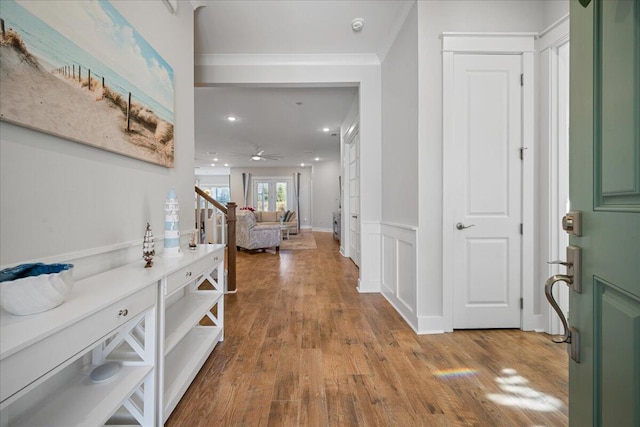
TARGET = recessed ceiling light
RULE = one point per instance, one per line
(213, 164)
(215, 159)
(232, 118)
(302, 164)
(325, 129)
(226, 165)
(317, 159)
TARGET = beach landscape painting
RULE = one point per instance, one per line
(80, 71)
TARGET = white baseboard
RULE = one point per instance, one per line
(411, 319)
(431, 325)
(323, 230)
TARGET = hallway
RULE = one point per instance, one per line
(303, 347)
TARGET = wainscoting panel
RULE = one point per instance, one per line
(399, 270)
(389, 270)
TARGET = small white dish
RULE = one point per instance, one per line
(104, 372)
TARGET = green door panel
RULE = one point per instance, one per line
(604, 388)
(617, 176)
(617, 320)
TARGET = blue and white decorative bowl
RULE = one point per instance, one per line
(34, 288)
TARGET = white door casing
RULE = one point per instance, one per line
(553, 45)
(487, 120)
(560, 192)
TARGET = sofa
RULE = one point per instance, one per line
(273, 218)
(252, 235)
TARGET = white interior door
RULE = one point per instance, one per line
(354, 197)
(483, 176)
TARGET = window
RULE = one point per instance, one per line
(272, 194)
(220, 193)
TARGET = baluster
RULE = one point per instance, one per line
(198, 226)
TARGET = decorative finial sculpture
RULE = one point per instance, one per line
(171, 226)
(148, 247)
(192, 243)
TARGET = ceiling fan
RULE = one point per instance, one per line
(260, 155)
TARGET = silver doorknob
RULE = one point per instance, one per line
(461, 226)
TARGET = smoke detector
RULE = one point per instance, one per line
(357, 24)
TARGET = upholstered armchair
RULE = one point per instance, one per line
(251, 236)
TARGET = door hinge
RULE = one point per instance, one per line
(521, 228)
(521, 303)
(522, 152)
(521, 79)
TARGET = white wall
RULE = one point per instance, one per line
(64, 201)
(326, 194)
(400, 126)
(206, 180)
(237, 196)
(554, 10)
(399, 196)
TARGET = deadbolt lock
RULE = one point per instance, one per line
(572, 223)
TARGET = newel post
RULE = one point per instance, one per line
(231, 247)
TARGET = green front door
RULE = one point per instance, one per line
(605, 186)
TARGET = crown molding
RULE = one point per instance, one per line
(286, 59)
(195, 4)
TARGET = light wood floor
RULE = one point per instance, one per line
(302, 347)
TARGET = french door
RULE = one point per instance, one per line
(271, 194)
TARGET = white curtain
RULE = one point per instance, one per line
(296, 187)
(245, 186)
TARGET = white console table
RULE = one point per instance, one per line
(160, 324)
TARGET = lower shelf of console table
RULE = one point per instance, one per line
(183, 363)
(69, 406)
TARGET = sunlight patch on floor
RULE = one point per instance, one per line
(455, 373)
(517, 394)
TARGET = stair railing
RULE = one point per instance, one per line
(216, 223)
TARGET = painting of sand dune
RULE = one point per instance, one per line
(80, 71)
